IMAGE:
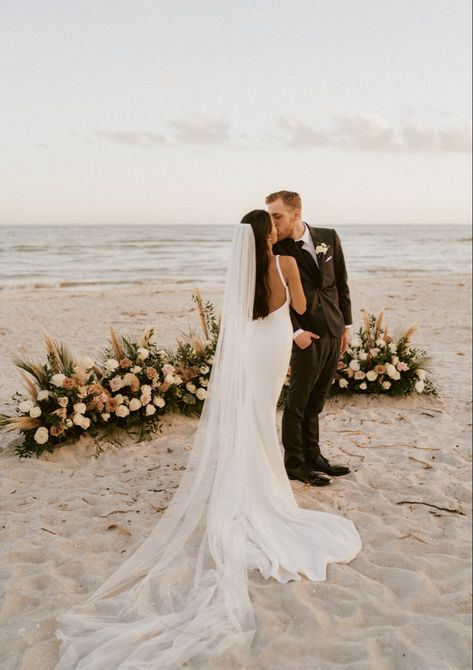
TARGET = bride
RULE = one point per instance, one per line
(182, 597)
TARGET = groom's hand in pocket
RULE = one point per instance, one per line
(304, 339)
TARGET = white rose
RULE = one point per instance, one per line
(85, 423)
(203, 381)
(420, 386)
(80, 407)
(380, 343)
(168, 369)
(112, 364)
(359, 374)
(201, 394)
(354, 364)
(391, 370)
(150, 410)
(145, 398)
(58, 379)
(105, 416)
(169, 379)
(386, 385)
(395, 360)
(204, 369)
(77, 419)
(146, 389)
(41, 436)
(363, 356)
(87, 362)
(396, 376)
(43, 395)
(191, 387)
(35, 412)
(122, 411)
(69, 423)
(142, 353)
(374, 352)
(371, 375)
(363, 386)
(343, 383)
(134, 404)
(135, 369)
(159, 401)
(25, 406)
(421, 374)
(177, 379)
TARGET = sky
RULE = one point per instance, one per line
(192, 111)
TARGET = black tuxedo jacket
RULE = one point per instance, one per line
(326, 284)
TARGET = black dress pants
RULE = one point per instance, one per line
(312, 373)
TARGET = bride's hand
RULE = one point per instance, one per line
(304, 339)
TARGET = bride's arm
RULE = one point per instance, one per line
(293, 278)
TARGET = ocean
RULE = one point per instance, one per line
(104, 256)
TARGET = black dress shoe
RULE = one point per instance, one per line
(309, 477)
(333, 469)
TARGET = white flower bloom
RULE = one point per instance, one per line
(321, 248)
(204, 369)
(395, 360)
(356, 342)
(391, 370)
(142, 353)
(80, 407)
(159, 401)
(343, 383)
(25, 406)
(354, 364)
(87, 362)
(112, 364)
(145, 398)
(134, 404)
(211, 360)
(58, 379)
(146, 388)
(41, 436)
(420, 386)
(203, 381)
(135, 369)
(77, 419)
(122, 411)
(105, 416)
(177, 379)
(35, 412)
(150, 410)
(69, 423)
(380, 343)
(169, 379)
(363, 386)
(392, 347)
(371, 375)
(168, 369)
(421, 374)
(120, 398)
(85, 422)
(191, 387)
(363, 356)
(201, 393)
(374, 352)
(359, 374)
(43, 395)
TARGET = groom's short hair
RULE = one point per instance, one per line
(290, 198)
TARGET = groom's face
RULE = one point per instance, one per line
(283, 217)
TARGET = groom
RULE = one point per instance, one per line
(321, 334)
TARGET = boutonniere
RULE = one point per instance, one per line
(321, 248)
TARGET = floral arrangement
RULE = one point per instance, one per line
(375, 362)
(130, 387)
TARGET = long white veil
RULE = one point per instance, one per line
(183, 594)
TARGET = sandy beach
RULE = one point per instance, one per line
(69, 518)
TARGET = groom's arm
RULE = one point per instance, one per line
(341, 278)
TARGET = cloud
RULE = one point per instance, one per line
(195, 130)
(370, 132)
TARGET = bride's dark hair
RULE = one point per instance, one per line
(260, 221)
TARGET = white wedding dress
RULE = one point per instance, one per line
(182, 597)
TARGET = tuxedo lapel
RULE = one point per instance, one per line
(316, 239)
